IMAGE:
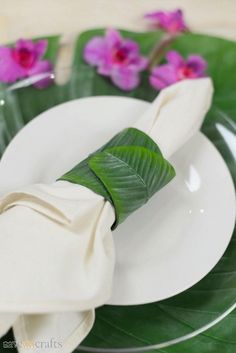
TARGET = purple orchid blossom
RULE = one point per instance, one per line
(117, 58)
(170, 21)
(177, 69)
(25, 60)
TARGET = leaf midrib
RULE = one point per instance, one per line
(135, 173)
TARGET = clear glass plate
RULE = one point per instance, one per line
(157, 325)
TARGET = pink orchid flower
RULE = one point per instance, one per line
(25, 60)
(171, 21)
(177, 69)
(117, 58)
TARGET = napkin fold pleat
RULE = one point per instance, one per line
(176, 114)
(52, 333)
(57, 246)
(68, 243)
(63, 233)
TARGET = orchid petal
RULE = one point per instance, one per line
(171, 21)
(174, 58)
(10, 71)
(95, 50)
(163, 76)
(139, 64)
(40, 48)
(131, 46)
(198, 63)
(37, 48)
(46, 67)
(125, 78)
(113, 37)
(25, 43)
(105, 68)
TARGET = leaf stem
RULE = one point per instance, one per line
(160, 49)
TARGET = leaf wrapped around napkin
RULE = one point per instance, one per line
(57, 255)
(127, 171)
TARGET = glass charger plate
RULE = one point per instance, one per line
(160, 324)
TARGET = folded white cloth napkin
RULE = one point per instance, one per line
(57, 255)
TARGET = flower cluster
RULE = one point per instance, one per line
(112, 55)
(25, 60)
(170, 21)
(177, 69)
(117, 58)
(120, 59)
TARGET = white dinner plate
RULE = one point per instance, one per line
(169, 244)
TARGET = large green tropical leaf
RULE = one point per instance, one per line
(157, 322)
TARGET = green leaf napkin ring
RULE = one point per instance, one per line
(127, 171)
